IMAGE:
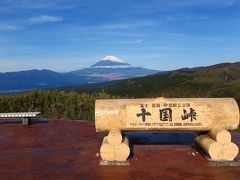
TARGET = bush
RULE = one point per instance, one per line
(54, 104)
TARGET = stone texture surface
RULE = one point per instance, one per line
(70, 150)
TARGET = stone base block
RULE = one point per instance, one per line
(114, 163)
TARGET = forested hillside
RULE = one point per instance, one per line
(54, 104)
(221, 80)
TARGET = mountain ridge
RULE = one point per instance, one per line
(219, 80)
(38, 79)
(44, 79)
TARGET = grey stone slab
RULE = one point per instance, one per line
(114, 163)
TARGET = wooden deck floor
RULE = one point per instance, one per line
(70, 150)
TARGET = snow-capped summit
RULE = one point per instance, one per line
(111, 62)
(112, 58)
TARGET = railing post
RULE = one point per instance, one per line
(26, 121)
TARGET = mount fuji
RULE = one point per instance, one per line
(113, 68)
(108, 68)
(111, 62)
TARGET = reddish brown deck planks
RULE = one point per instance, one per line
(69, 150)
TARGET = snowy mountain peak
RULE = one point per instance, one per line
(112, 58)
(111, 62)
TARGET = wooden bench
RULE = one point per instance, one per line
(25, 116)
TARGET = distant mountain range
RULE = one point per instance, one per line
(40, 79)
(109, 68)
(220, 80)
(113, 68)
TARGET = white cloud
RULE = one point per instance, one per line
(44, 19)
(7, 27)
(129, 25)
(14, 5)
(138, 23)
(154, 6)
(19, 24)
(139, 41)
(212, 3)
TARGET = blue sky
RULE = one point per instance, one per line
(64, 35)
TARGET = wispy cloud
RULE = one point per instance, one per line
(7, 27)
(211, 3)
(9, 5)
(23, 23)
(138, 23)
(132, 6)
(138, 41)
(169, 5)
(130, 24)
(44, 19)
